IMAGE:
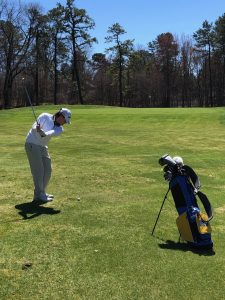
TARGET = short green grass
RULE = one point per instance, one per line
(101, 246)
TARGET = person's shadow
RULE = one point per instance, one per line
(30, 210)
(186, 247)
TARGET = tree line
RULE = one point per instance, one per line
(50, 54)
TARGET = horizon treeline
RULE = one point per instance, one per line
(51, 56)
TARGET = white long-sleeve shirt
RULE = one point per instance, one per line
(47, 125)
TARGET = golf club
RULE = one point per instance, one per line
(28, 97)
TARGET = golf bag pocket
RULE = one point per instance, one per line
(203, 224)
(193, 229)
(184, 228)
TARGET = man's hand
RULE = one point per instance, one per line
(40, 131)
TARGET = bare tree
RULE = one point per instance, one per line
(77, 25)
(56, 30)
(165, 51)
(205, 39)
(186, 70)
(122, 49)
(16, 28)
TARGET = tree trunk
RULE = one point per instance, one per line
(55, 71)
(7, 91)
(78, 81)
(75, 72)
(120, 81)
(167, 88)
(37, 71)
(210, 79)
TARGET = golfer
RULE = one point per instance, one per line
(36, 147)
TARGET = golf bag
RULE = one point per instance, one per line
(192, 223)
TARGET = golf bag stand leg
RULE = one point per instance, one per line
(160, 211)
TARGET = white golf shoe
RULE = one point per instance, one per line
(43, 198)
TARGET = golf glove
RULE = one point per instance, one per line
(40, 131)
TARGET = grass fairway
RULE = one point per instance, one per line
(101, 246)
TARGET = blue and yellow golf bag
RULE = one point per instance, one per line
(192, 223)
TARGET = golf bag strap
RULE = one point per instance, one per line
(206, 204)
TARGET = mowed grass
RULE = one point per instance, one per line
(101, 247)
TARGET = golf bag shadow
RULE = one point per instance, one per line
(192, 223)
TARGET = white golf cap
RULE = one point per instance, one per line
(178, 160)
(67, 114)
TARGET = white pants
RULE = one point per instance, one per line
(40, 165)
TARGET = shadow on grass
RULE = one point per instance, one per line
(30, 210)
(171, 245)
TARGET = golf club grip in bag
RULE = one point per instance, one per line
(192, 224)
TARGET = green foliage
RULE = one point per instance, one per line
(220, 33)
(100, 247)
(205, 35)
(121, 48)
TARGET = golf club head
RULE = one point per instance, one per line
(166, 160)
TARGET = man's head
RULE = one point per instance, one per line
(66, 114)
(63, 116)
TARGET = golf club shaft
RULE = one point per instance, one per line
(35, 117)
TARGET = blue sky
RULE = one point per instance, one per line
(143, 20)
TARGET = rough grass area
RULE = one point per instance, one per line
(94, 240)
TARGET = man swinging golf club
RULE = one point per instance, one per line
(44, 127)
